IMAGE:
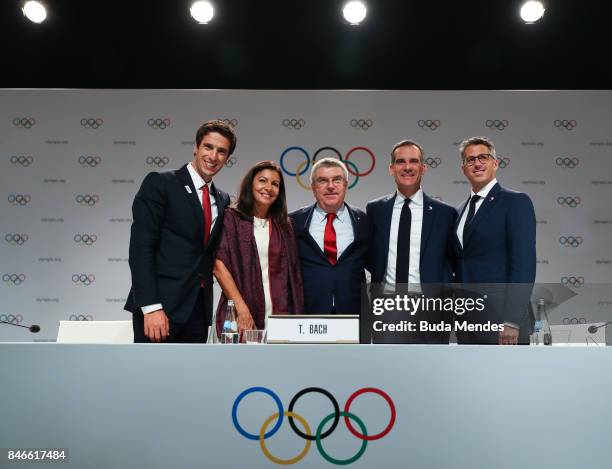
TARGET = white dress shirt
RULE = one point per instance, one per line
(342, 225)
(198, 183)
(483, 195)
(416, 225)
(261, 229)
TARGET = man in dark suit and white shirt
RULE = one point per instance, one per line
(496, 247)
(332, 241)
(177, 218)
(411, 238)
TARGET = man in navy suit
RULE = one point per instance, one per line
(332, 241)
(177, 219)
(411, 243)
(496, 248)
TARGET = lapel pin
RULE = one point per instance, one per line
(430, 207)
(492, 199)
(188, 189)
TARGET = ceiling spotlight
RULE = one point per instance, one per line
(532, 11)
(202, 11)
(354, 12)
(34, 11)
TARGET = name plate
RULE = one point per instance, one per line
(313, 329)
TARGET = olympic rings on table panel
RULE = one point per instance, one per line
(13, 279)
(570, 241)
(295, 124)
(16, 239)
(567, 162)
(24, 122)
(569, 201)
(11, 318)
(22, 160)
(91, 161)
(92, 122)
(19, 199)
(565, 124)
(81, 317)
(567, 321)
(306, 433)
(83, 279)
(159, 123)
(431, 124)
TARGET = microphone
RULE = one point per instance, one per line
(593, 329)
(34, 328)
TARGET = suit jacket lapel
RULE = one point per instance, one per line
(306, 233)
(486, 206)
(429, 214)
(385, 226)
(462, 208)
(355, 220)
(194, 201)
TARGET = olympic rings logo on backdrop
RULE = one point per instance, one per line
(572, 281)
(573, 241)
(91, 161)
(19, 199)
(497, 124)
(363, 124)
(565, 124)
(87, 199)
(157, 161)
(86, 239)
(159, 123)
(569, 201)
(231, 161)
(295, 124)
(232, 122)
(24, 122)
(431, 124)
(319, 435)
(22, 160)
(80, 317)
(303, 167)
(92, 122)
(567, 162)
(13, 279)
(503, 162)
(11, 318)
(16, 239)
(432, 162)
(567, 321)
(83, 279)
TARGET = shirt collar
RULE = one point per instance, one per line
(340, 214)
(416, 199)
(485, 190)
(197, 180)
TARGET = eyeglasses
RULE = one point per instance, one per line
(482, 159)
(337, 181)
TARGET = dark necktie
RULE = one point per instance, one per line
(475, 198)
(207, 212)
(329, 240)
(402, 261)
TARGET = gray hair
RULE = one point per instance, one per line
(476, 141)
(328, 163)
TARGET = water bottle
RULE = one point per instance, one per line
(541, 332)
(229, 333)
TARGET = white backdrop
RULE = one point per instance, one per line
(72, 160)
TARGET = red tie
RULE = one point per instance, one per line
(207, 212)
(329, 240)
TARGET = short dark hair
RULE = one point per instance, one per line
(245, 203)
(476, 141)
(220, 127)
(405, 143)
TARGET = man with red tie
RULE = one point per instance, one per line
(332, 241)
(177, 218)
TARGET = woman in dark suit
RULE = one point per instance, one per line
(257, 263)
